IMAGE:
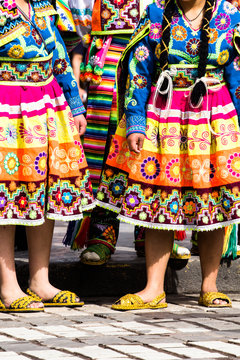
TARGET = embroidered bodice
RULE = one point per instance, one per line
(144, 48)
(20, 40)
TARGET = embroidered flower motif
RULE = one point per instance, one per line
(84, 201)
(140, 81)
(31, 187)
(58, 197)
(118, 2)
(100, 195)
(222, 21)
(158, 51)
(147, 192)
(27, 30)
(237, 92)
(223, 57)
(134, 12)
(160, 4)
(155, 205)
(226, 203)
(6, 75)
(236, 63)
(67, 198)
(110, 235)
(119, 24)
(11, 163)
(36, 37)
(229, 37)
(41, 163)
(60, 66)
(155, 31)
(9, 4)
(22, 202)
(174, 206)
(192, 46)
(189, 208)
(173, 170)
(179, 33)
(11, 134)
(2, 202)
(161, 218)
(21, 68)
(142, 53)
(105, 14)
(114, 149)
(42, 199)
(205, 220)
(142, 216)
(117, 188)
(9, 214)
(229, 8)
(233, 164)
(212, 35)
(3, 20)
(219, 217)
(33, 214)
(16, 52)
(35, 76)
(132, 200)
(40, 22)
(12, 186)
(150, 168)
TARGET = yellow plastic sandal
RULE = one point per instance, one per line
(62, 298)
(134, 302)
(21, 305)
(208, 298)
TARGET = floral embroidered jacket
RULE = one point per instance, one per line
(142, 54)
(20, 40)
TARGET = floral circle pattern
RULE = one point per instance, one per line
(140, 81)
(114, 149)
(150, 168)
(60, 66)
(16, 51)
(189, 208)
(2, 201)
(192, 46)
(236, 63)
(22, 202)
(141, 53)
(223, 57)
(173, 170)
(9, 4)
(174, 206)
(132, 200)
(40, 163)
(155, 31)
(11, 163)
(233, 164)
(229, 37)
(213, 35)
(222, 21)
(179, 33)
(67, 197)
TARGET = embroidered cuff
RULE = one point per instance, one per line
(76, 105)
(136, 124)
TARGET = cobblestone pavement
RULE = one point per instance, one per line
(182, 331)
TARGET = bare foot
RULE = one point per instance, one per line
(46, 291)
(148, 296)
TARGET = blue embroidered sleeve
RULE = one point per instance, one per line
(62, 71)
(140, 69)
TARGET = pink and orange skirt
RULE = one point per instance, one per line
(185, 177)
(43, 170)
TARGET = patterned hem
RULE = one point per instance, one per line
(22, 222)
(107, 206)
(177, 227)
(64, 218)
(89, 206)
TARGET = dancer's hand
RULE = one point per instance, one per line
(135, 142)
(81, 124)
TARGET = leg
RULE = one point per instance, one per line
(39, 247)
(9, 289)
(158, 247)
(210, 245)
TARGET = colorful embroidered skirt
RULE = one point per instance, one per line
(185, 177)
(43, 171)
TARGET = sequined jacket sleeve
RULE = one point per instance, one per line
(63, 73)
(140, 69)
